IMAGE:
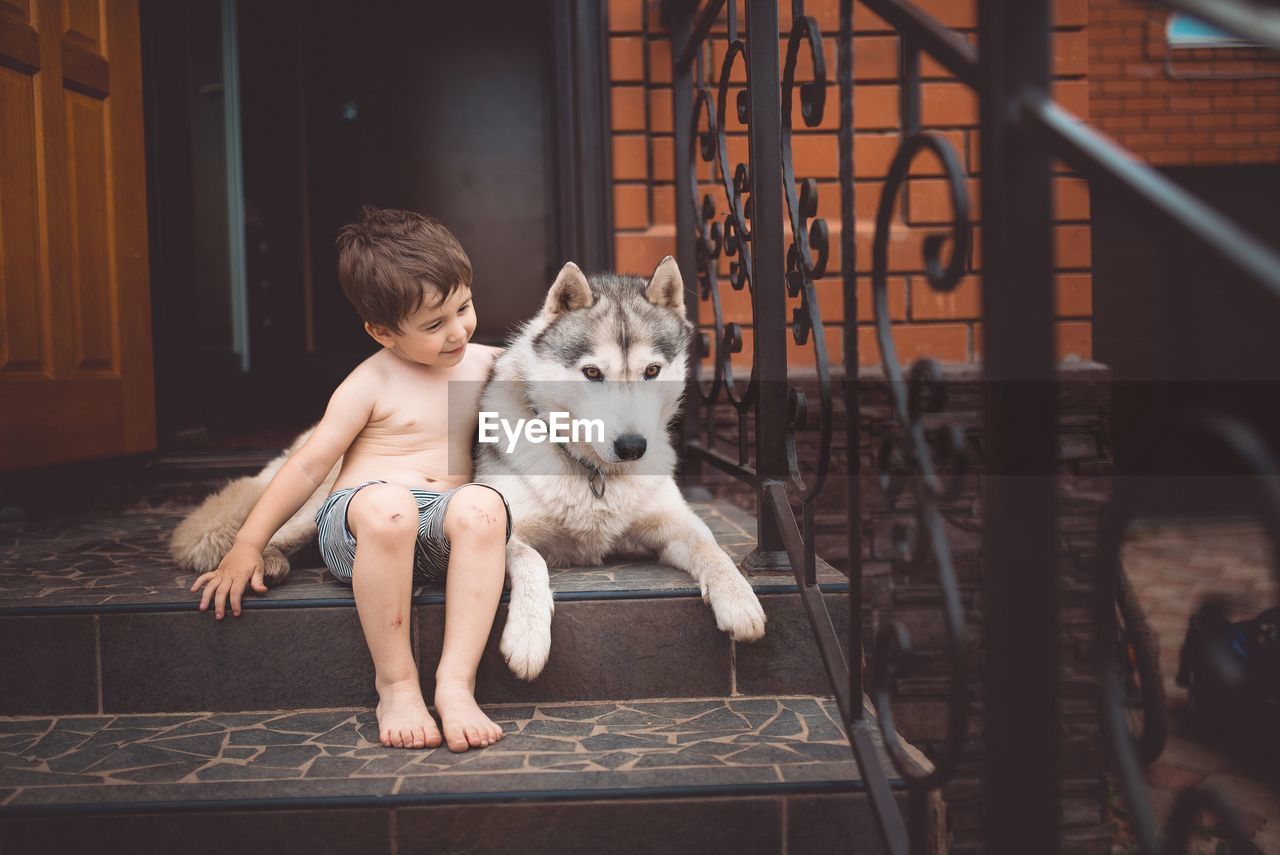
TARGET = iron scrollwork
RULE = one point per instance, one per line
(905, 456)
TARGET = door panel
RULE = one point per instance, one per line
(75, 362)
(23, 302)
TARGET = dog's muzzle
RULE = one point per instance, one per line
(630, 446)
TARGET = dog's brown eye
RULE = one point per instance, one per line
(652, 371)
(592, 373)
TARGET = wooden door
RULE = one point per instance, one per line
(75, 324)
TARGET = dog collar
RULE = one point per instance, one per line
(595, 475)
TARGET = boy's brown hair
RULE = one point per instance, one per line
(389, 259)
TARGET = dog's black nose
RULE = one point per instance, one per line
(630, 446)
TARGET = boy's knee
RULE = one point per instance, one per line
(475, 512)
(383, 512)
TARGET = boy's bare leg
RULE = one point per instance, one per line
(475, 523)
(384, 520)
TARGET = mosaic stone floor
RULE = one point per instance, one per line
(119, 555)
(334, 753)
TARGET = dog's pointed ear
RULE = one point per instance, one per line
(570, 291)
(666, 287)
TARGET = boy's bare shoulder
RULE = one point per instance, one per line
(368, 375)
(491, 353)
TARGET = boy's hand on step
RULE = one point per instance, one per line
(243, 565)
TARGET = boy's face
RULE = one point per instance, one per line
(436, 334)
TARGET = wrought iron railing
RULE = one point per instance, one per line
(1021, 129)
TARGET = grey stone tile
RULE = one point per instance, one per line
(613, 760)
(603, 650)
(695, 742)
(675, 759)
(521, 742)
(821, 772)
(678, 827)
(158, 774)
(208, 745)
(674, 710)
(237, 772)
(385, 766)
(287, 756)
(135, 756)
(239, 719)
(619, 741)
(787, 723)
(589, 712)
(25, 725)
(309, 722)
(334, 767)
(483, 761)
(86, 723)
(48, 665)
(80, 760)
(547, 727)
(54, 743)
(194, 728)
(148, 721)
(261, 736)
(720, 718)
(140, 672)
(786, 661)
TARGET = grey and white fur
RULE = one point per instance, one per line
(610, 347)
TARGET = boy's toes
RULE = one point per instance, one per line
(455, 739)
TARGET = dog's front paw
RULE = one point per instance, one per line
(736, 607)
(275, 566)
(526, 639)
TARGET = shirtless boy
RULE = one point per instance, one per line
(401, 509)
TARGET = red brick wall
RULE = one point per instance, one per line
(1179, 122)
(945, 326)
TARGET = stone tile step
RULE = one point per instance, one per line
(94, 619)
(157, 662)
(117, 559)
(694, 775)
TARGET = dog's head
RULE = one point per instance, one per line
(614, 349)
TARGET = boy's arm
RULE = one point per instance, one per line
(349, 410)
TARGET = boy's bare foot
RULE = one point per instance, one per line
(465, 726)
(403, 720)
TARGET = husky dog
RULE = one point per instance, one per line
(610, 348)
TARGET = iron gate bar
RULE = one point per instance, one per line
(942, 43)
(693, 41)
(852, 398)
(1020, 125)
(769, 367)
(893, 831)
(745, 474)
(1020, 574)
(1093, 155)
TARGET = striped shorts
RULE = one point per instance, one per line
(430, 558)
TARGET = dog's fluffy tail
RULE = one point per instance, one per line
(202, 539)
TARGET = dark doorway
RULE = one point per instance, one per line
(477, 119)
(1175, 337)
